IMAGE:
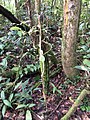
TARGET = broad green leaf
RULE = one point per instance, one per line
(59, 91)
(28, 66)
(86, 62)
(84, 68)
(88, 51)
(11, 97)
(84, 47)
(26, 71)
(37, 89)
(18, 84)
(55, 11)
(88, 108)
(28, 115)
(88, 33)
(32, 69)
(81, 26)
(21, 106)
(1, 46)
(15, 69)
(83, 108)
(7, 103)
(15, 28)
(86, 56)
(1, 78)
(3, 110)
(31, 105)
(2, 95)
(4, 63)
(37, 66)
(54, 89)
(20, 33)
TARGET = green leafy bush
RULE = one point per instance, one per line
(17, 54)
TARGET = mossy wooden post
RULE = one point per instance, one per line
(71, 10)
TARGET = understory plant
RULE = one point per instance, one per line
(15, 93)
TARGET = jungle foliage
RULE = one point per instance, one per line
(20, 74)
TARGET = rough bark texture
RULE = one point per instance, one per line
(70, 36)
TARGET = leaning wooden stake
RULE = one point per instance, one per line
(76, 104)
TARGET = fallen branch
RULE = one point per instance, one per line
(36, 116)
(6, 13)
(76, 104)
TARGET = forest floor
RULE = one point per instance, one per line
(59, 99)
(57, 105)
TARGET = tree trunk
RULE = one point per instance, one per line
(70, 36)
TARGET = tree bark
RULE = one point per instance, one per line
(37, 6)
(70, 36)
(29, 11)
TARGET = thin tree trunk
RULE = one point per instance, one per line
(29, 9)
(37, 6)
(70, 36)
